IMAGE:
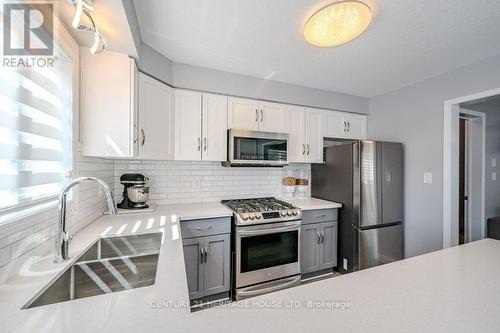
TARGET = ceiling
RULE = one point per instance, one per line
(407, 41)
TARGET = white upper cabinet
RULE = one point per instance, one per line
(272, 117)
(296, 134)
(156, 119)
(108, 105)
(254, 115)
(243, 114)
(200, 126)
(344, 125)
(214, 127)
(314, 135)
(187, 125)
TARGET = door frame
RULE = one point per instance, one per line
(452, 113)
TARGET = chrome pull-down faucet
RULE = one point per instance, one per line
(62, 237)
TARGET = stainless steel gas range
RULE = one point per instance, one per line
(266, 246)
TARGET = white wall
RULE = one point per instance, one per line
(414, 116)
(185, 182)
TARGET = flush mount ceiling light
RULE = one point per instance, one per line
(337, 23)
(86, 7)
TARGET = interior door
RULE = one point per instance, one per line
(156, 119)
(188, 141)
(243, 114)
(296, 134)
(392, 182)
(379, 246)
(214, 127)
(272, 117)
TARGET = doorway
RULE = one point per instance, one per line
(464, 172)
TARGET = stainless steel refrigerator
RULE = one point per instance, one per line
(366, 177)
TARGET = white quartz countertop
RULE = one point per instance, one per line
(313, 203)
(454, 290)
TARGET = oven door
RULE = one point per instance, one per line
(250, 148)
(267, 252)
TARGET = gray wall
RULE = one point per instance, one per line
(414, 116)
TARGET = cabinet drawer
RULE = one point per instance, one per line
(319, 215)
(205, 227)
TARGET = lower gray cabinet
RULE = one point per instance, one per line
(207, 260)
(318, 246)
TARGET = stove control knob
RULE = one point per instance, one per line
(244, 217)
(258, 215)
(283, 213)
(289, 212)
(295, 212)
(252, 216)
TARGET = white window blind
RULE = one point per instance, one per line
(35, 131)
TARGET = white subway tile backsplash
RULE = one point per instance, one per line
(182, 182)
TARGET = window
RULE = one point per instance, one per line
(35, 131)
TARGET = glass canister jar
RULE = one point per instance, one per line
(288, 184)
(302, 183)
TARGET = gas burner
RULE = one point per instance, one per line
(262, 210)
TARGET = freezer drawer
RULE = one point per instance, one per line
(379, 246)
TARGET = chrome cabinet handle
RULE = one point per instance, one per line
(345, 126)
(199, 144)
(136, 136)
(206, 254)
(261, 115)
(308, 150)
(143, 137)
(205, 145)
(199, 229)
(303, 149)
(201, 255)
(256, 115)
(319, 238)
(348, 126)
(322, 237)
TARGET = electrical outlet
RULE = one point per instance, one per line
(345, 264)
(427, 178)
(494, 176)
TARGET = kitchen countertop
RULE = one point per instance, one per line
(453, 290)
(312, 203)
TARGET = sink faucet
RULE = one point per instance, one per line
(62, 238)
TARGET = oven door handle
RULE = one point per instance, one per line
(254, 291)
(256, 232)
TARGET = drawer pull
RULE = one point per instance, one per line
(200, 229)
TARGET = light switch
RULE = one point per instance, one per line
(427, 178)
(494, 162)
(494, 176)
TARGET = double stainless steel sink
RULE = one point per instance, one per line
(109, 265)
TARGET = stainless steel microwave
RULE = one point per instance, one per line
(258, 149)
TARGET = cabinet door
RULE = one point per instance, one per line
(333, 125)
(243, 114)
(214, 127)
(187, 125)
(296, 134)
(216, 268)
(309, 248)
(314, 135)
(194, 266)
(156, 119)
(272, 117)
(328, 246)
(107, 97)
(354, 127)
